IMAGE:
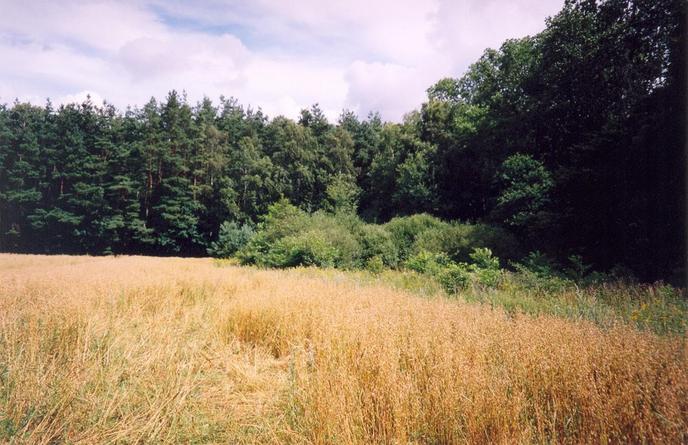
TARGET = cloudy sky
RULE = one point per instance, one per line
(279, 55)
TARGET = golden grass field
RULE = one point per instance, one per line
(153, 350)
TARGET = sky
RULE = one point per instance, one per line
(277, 55)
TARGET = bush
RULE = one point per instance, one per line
(454, 277)
(376, 242)
(427, 262)
(231, 238)
(375, 265)
(312, 248)
(537, 272)
(405, 230)
(458, 241)
(485, 266)
(339, 231)
(483, 259)
(288, 236)
(282, 220)
(539, 264)
(254, 251)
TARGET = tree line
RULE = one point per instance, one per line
(572, 140)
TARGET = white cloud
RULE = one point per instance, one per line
(464, 28)
(280, 56)
(277, 84)
(48, 70)
(101, 25)
(391, 89)
(80, 97)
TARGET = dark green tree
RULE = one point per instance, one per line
(175, 206)
(522, 204)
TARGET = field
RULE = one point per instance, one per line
(168, 350)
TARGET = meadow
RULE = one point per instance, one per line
(168, 350)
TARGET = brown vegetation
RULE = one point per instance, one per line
(133, 349)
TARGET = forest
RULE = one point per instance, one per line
(570, 142)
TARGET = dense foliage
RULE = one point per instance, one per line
(287, 236)
(571, 140)
(460, 258)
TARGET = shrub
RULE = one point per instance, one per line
(376, 242)
(405, 230)
(231, 238)
(339, 230)
(282, 220)
(485, 266)
(537, 272)
(483, 259)
(254, 251)
(375, 264)
(458, 241)
(288, 236)
(312, 248)
(454, 277)
(577, 269)
(539, 264)
(427, 262)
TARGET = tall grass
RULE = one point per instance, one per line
(133, 349)
(659, 308)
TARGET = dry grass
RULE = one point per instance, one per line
(150, 350)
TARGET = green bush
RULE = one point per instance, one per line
(405, 230)
(485, 266)
(339, 230)
(458, 241)
(538, 273)
(376, 242)
(254, 251)
(427, 262)
(288, 236)
(282, 220)
(375, 265)
(483, 259)
(312, 248)
(539, 264)
(454, 277)
(231, 238)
